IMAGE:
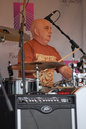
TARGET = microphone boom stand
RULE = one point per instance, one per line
(75, 45)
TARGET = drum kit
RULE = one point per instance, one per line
(32, 86)
(15, 86)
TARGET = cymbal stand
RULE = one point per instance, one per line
(21, 44)
(37, 79)
(84, 69)
(73, 66)
(74, 75)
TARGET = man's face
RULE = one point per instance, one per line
(44, 32)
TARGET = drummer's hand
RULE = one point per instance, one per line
(66, 72)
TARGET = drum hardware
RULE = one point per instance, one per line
(11, 34)
(74, 66)
(79, 79)
(37, 79)
(64, 83)
(81, 65)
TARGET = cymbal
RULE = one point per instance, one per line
(11, 34)
(49, 65)
(41, 65)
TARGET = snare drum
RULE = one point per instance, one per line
(15, 86)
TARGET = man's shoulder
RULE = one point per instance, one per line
(29, 43)
(53, 48)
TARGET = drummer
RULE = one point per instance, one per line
(38, 50)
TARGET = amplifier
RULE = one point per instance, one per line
(39, 112)
(40, 101)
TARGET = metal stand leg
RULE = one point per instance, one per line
(37, 79)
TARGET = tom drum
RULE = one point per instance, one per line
(15, 86)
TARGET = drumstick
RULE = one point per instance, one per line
(69, 54)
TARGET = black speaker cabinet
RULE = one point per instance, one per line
(38, 112)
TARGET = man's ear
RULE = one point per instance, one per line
(36, 32)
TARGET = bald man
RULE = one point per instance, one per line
(38, 50)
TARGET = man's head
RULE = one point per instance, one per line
(41, 31)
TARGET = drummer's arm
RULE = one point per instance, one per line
(66, 72)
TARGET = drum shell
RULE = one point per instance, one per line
(15, 86)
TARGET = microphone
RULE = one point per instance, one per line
(48, 17)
